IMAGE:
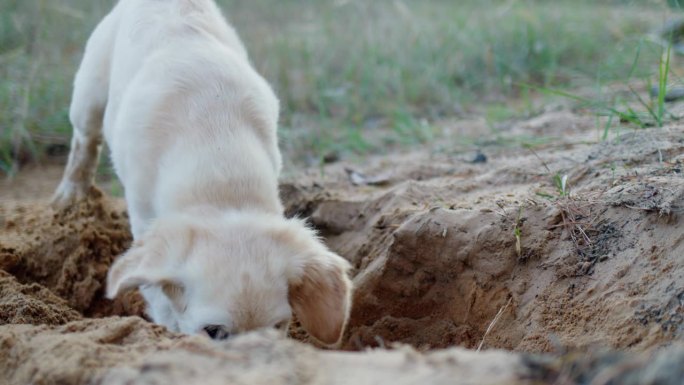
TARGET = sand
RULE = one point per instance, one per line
(68, 252)
(436, 258)
(586, 284)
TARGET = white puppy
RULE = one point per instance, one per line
(192, 132)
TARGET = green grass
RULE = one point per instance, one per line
(40, 48)
(636, 110)
(353, 77)
(663, 73)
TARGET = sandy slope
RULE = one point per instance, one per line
(436, 256)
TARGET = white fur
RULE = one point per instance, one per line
(192, 131)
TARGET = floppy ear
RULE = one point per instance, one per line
(321, 296)
(143, 264)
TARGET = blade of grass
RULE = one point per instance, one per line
(636, 60)
(664, 69)
(606, 129)
(644, 104)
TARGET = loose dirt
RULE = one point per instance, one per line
(68, 252)
(450, 249)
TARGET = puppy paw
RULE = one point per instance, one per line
(68, 194)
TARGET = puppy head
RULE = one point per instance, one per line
(239, 272)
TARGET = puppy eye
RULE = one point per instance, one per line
(281, 325)
(216, 332)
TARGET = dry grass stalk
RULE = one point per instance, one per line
(494, 321)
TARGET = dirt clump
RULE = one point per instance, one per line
(31, 304)
(68, 252)
(77, 352)
(129, 350)
(609, 367)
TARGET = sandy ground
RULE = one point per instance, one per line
(555, 287)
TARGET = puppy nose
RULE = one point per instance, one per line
(216, 332)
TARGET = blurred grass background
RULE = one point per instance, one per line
(353, 76)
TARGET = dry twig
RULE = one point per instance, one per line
(494, 321)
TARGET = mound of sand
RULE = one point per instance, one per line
(118, 351)
(437, 257)
(446, 252)
(68, 252)
(31, 304)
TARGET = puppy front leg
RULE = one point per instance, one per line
(80, 170)
(86, 115)
(88, 104)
